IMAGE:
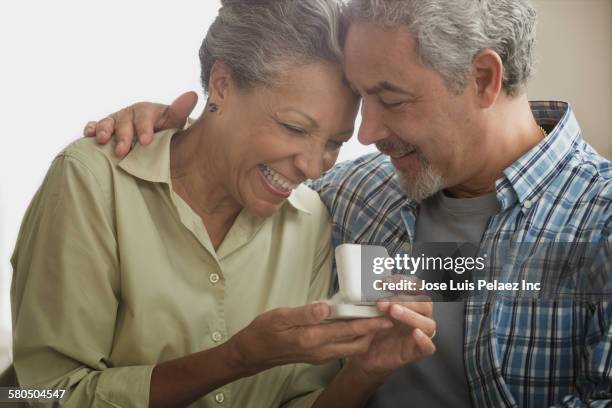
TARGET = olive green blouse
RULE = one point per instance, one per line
(114, 272)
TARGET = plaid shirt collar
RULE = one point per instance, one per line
(528, 177)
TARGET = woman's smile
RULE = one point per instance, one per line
(274, 182)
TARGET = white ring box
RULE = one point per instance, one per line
(348, 302)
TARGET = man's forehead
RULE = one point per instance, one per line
(378, 53)
(397, 37)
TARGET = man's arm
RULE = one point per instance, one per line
(594, 382)
(595, 379)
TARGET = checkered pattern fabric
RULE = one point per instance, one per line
(517, 352)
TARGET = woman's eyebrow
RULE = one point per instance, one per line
(311, 121)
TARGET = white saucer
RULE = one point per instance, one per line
(345, 311)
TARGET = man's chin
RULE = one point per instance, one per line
(420, 186)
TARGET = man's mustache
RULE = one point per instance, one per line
(394, 147)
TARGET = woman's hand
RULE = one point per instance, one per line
(277, 337)
(291, 335)
(141, 119)
(409, 340)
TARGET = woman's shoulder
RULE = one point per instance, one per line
(81, 171)
(85, 169)
(97, 158)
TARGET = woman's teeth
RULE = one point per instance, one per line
(276, 179)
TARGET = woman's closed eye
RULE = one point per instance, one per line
(294, 129)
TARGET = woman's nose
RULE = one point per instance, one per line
(312, 162)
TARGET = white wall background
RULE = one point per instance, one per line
(67, 61)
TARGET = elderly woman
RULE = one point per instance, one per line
(179, 275)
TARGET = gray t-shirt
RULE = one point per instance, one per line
(439, 380)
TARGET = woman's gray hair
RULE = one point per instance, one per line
(257, 39)
(449, 34)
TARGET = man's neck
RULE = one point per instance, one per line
(509, 133)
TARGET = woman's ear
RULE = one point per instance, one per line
(219, 82)
(487, 74)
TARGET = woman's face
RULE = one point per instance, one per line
(277, 136)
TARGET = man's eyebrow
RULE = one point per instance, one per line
(387, 86)
(346, 82)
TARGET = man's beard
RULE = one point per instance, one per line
(425, 183)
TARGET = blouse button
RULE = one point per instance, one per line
(216, 336)
(214, 278)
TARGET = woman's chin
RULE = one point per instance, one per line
(264, 209)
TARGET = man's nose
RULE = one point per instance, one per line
(372, 128)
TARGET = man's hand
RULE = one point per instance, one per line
(141, 119)
(409, 340)
(291, 335)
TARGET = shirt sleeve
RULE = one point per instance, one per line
(307, 380)
(66, 291)
(594, 382)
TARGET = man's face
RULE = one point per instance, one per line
(407, 110)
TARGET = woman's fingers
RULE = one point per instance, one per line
(289, 335)
(341, 331)
(306, 325)
(290, 317)
(311, 316)
(344, 349)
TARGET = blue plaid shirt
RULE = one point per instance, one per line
(527, 353)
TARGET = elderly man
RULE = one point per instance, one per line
(465, 158)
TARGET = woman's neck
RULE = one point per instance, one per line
(196, 179)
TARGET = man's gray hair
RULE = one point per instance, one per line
(449, 34)
(257, 39)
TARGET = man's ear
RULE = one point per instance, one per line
(219, 82)
(487, 74)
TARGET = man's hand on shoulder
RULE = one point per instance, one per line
(141, 120)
